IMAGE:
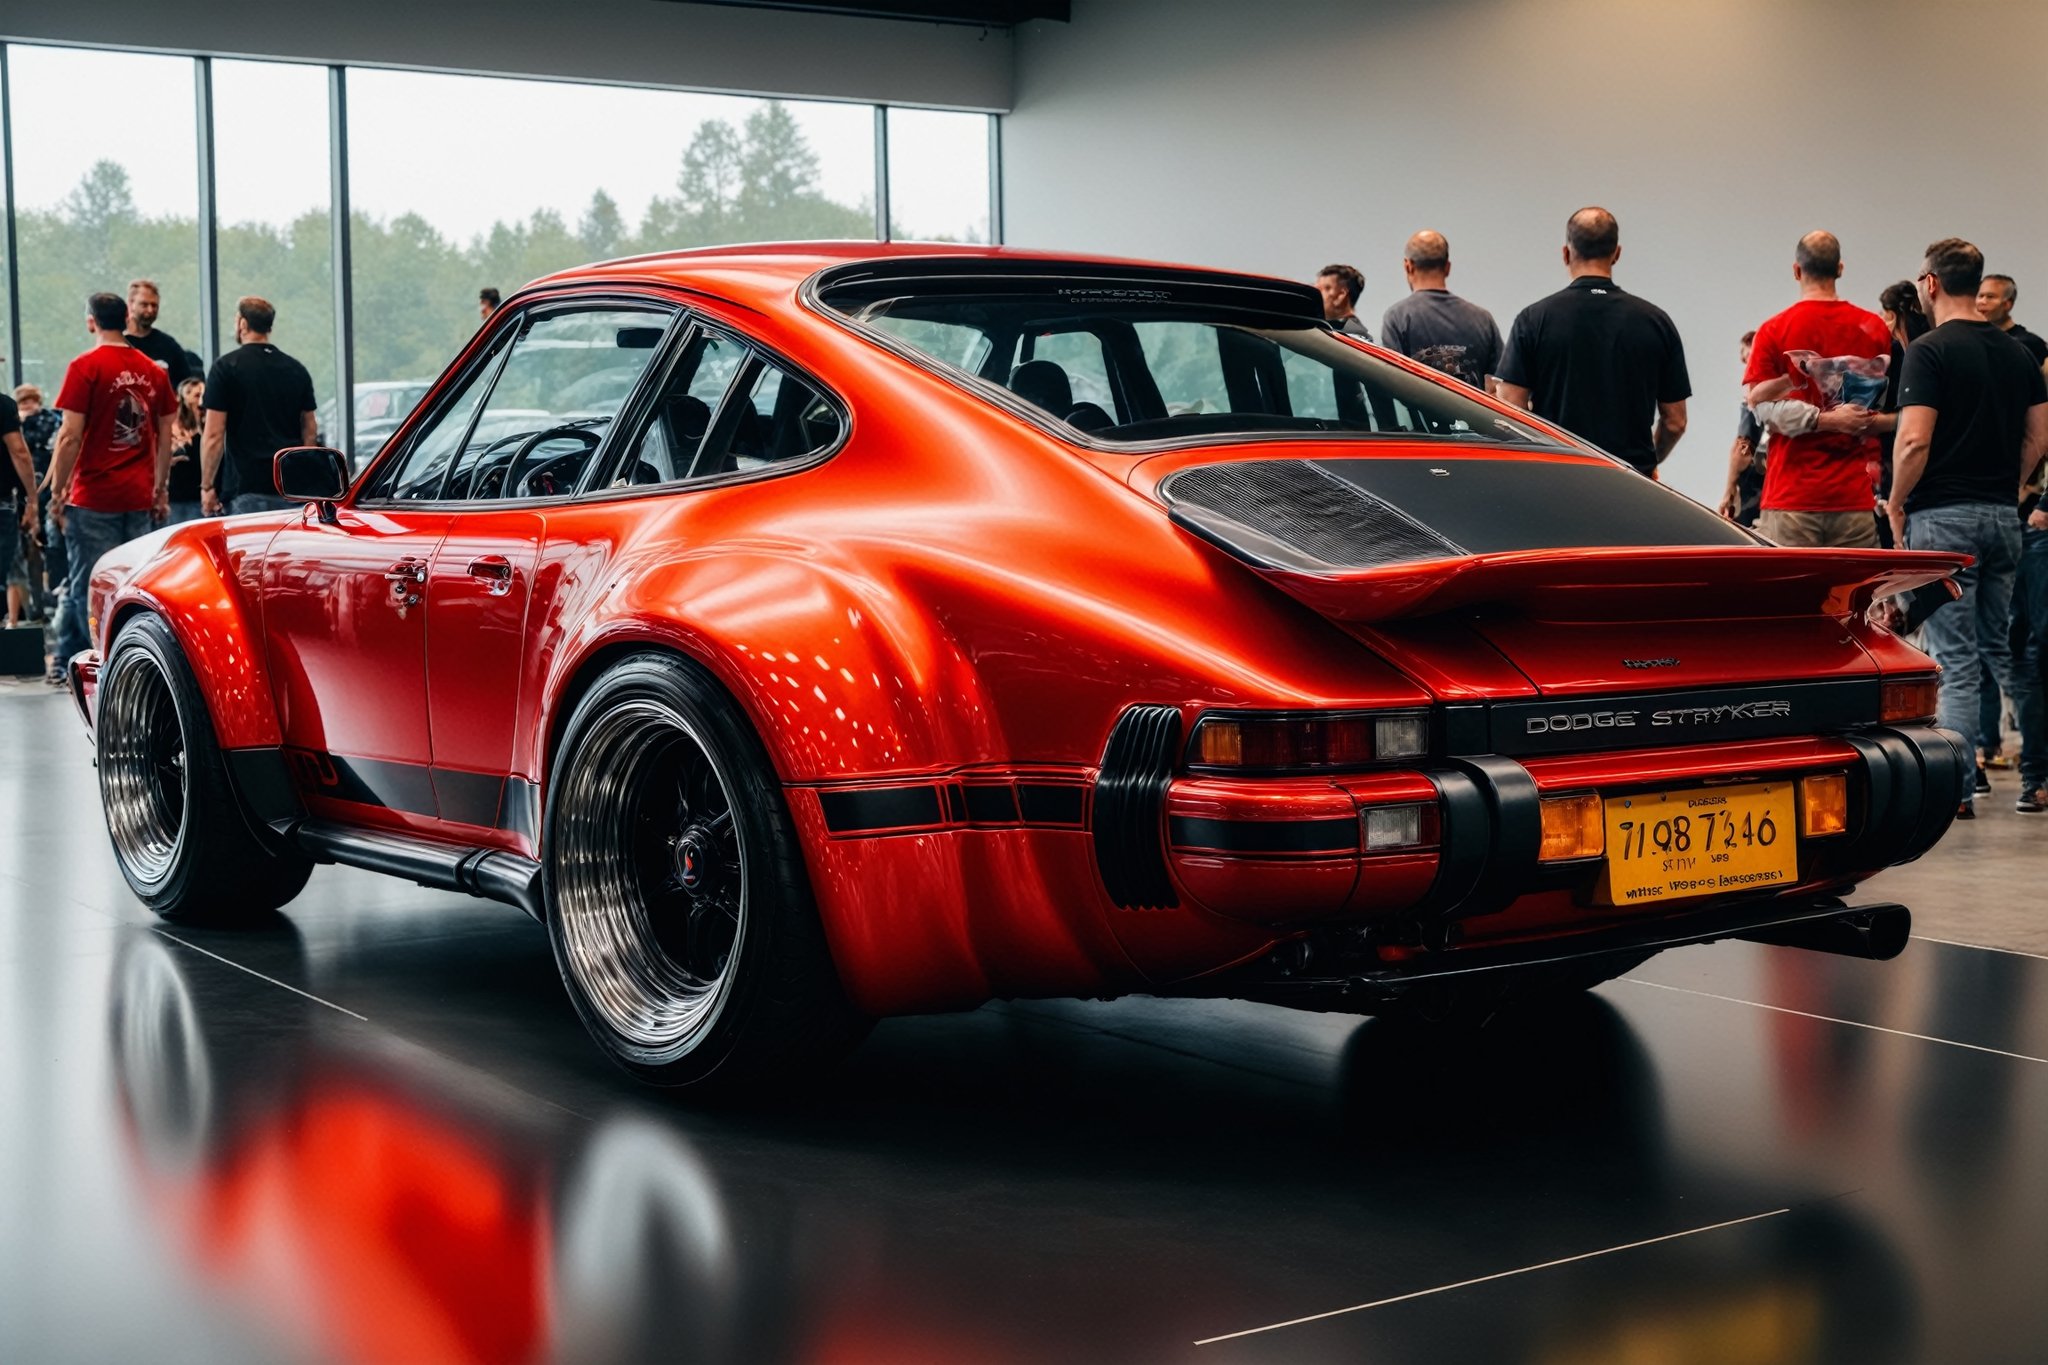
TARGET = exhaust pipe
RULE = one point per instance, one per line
(1877, 932)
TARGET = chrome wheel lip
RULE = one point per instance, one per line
(144, 768)
(647, 999)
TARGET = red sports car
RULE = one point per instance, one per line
(808, 634)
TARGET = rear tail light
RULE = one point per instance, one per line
(1389, 829)
(1908, 699)
(1296, 743)
(1823, 804)
(1573, 827)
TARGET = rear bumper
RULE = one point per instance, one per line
(1291, 852)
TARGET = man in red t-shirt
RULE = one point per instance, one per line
(1815, 372)
(110, 469)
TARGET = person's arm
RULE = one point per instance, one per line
(309, 428)
(1765, 390)
(160, 499)
(63, 459)
(25, 470)
(1670, 426)
(2035, 444)
(1514, 395)
(1909, 462)
(213, 443)
(1739, 457)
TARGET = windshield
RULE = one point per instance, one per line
(1140, 364)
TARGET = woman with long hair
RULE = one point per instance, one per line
(1899, 304)
(186, 425)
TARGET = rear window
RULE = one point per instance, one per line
(1158, 356)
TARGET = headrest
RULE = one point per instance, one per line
(1089, 417)
(688, 416)
(1044, 383)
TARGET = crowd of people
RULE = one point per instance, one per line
(139, 435)
(1922, 425)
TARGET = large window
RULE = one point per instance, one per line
(459, 183)
(272, 192)
(939, 176)
(456, 184)
(104, 155)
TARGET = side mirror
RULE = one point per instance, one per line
(311, 474)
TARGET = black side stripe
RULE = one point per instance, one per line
(481, 799)
(970, 804)
(1339, 835)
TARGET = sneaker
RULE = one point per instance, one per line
(1983, 782)
(1966, 811)
(2032, 802)
(55, 677)
(2000, 761)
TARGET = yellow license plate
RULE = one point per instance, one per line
(1709, 841)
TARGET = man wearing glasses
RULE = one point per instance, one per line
(1973, 423)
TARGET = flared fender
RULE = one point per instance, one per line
(192, 576)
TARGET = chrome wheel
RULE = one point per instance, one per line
(143, 780)
(650, 875)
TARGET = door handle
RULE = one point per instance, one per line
(406, 577)
(494, 570)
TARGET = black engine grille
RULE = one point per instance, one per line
(1294, 515)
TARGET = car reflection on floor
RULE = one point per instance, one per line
(346, 1201)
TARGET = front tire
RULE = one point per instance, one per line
(178, 831)
(680, 914)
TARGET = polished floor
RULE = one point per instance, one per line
(373, 1131)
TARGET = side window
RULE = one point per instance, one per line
(1079, 354)
(1311, 387)
(771, 418)
(419, 473)
(681, 419)
(953, 342)
(1187, 365)
(554, 401)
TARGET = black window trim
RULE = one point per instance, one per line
(810, 295)
(498, 346)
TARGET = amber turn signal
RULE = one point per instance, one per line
(1573, 827)
(1909, 699)
(1824, 804)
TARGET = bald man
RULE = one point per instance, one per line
(1816, 372)
(1435, 326)
(1595, 359)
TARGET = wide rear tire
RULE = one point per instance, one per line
(178, 831)
(678, 906)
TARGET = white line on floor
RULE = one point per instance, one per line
(258, 975)
(1483, 1279)
(1982, 947)
(1831, 1019)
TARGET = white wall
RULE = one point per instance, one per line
(1281, 135)
(638, 42)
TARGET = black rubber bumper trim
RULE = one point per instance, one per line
(1492, 832)
(1339, 835)
(1129, 809)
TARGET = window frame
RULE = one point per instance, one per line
(489, 348)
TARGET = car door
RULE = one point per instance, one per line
(345, 627)
(543, 427)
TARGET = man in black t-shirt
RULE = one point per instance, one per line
(143, 305)
(258, 401)
(1604, 365)
(1973, 423)
(1995, 298)
(1435, 326)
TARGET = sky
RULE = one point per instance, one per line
(461, 151)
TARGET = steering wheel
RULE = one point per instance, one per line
(568, 431)
(540, 483)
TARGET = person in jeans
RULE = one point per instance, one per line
(258, 401)
(113, 454)
(17, 500)
(39, 426)
(1973, 423)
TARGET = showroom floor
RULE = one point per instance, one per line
(374, 1131)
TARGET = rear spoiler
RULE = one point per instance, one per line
(1661, 583)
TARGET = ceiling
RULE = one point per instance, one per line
(979, 13)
